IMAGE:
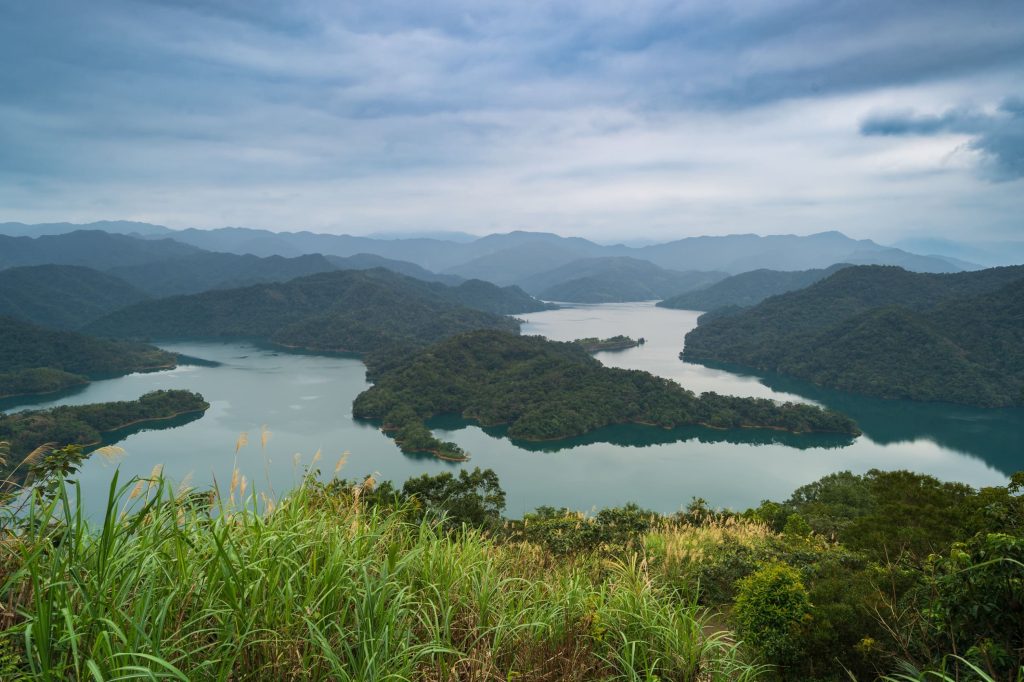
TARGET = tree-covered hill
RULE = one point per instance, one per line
(546, 390)
(607, 280)
(349, 310)
(887, 332)
(87, 424)
(62, 296)
(490, 298)
(748, 288)
(206, 270)
(38, 360)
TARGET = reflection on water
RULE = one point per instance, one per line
(642, 435)
(306, 402)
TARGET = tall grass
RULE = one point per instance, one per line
(181, 586)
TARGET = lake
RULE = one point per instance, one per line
(305, 401)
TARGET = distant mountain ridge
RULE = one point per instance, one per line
(509, 258)
(887, 332)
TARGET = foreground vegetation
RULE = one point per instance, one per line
(886, 332)
(31, 430)
(546, 390)
(328, 586)
(850, 578)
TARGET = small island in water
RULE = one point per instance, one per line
(592, 344)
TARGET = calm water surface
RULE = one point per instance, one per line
(306, 403)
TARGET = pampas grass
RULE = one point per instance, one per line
(323, 587)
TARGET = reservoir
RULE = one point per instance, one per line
(303, 404)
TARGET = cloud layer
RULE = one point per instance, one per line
(606, 119)
(998, 136)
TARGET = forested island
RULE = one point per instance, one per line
(38, 360)
(86, 425)
(883, 331)
(592, 344)
(547, 390)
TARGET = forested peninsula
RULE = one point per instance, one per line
(87, 424)
(883, 331)
(38, 360)
(547, 390)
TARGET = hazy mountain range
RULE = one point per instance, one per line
(517, 256)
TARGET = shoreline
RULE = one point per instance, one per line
(88, 380)
(143, 421)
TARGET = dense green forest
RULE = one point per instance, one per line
(889, 576)
(549, 390)
(886, 332)
(748, 288)
(357, 311)
(85, 425)
(62, 296)
(592, 344)
(490, 298)
(38, 360)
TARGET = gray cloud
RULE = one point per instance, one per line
(998, 136)
(660, 115)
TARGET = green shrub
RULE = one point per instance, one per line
(772, 610)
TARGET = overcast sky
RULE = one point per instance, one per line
(634, 119)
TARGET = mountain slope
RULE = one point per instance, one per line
(38, 360)
(613, 279)
(887, 332)
(747, 289)
(62, 296)
(367, 261)
(491, 298)
(205, 270)
(348, 310)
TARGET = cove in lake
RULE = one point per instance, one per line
(306, 402)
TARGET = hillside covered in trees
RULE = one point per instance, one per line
(85, 425)
(886, 332)
(63, 296)
(355, 311)
(546, 390)
(38, 360)
(615, 279)
(747, 289)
